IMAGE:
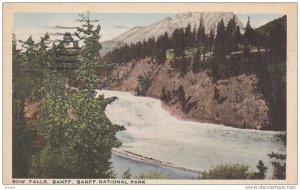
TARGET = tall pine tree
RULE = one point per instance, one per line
(196, 62)
(249, 34)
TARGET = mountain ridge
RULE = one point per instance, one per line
(168, 24)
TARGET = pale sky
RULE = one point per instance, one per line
(112, 24)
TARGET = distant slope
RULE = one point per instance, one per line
(108, 46)
(168, 25)
(268, 27)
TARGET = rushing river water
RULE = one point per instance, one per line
(153, 132)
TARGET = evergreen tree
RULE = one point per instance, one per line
(202, 39)
(211, 39)
(31, 53)
(231, 39)
(163, 44)
(219, 61)
(89, 34)
(279, 165)
(194, 36)
(67, 39)
(262, 169)
(196, 62)
(219, 50)
(249, 34)
(151, 44)
(94, 134)
(237, 37)
(188, 36)
(42, 51)
(17, 57)
(139, 50)
(37, 55)
(178, 43)
(201, 32)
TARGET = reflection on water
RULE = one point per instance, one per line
(153, 132)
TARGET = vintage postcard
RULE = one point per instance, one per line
(149, 93)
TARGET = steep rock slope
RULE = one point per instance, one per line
(233, 102)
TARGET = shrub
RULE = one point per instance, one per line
(143, 84)
(126, 174)
(262, 169)
(228, 171)
(279, 165)
(153, 175)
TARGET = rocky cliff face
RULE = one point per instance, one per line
(234, 102)
(32, 111)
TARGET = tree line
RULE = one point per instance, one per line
(224, 51)
(225, 38)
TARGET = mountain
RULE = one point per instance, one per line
(169, 24)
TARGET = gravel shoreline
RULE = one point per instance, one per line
(138, 157)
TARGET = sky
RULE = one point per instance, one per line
(112, 24)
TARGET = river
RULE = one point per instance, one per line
(152, 132)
